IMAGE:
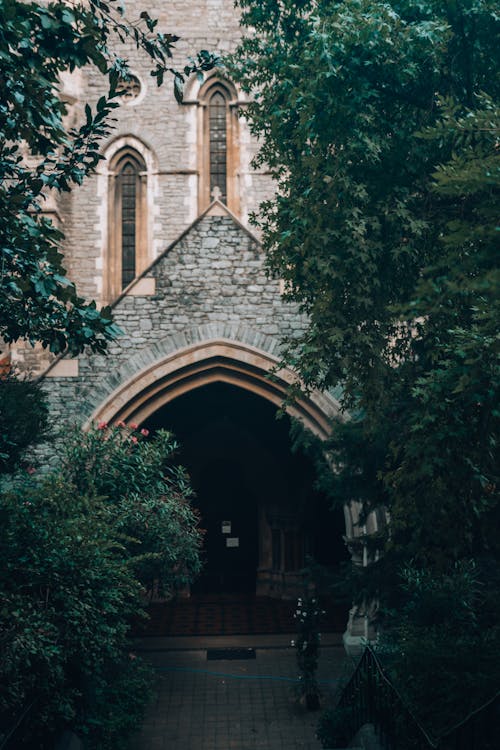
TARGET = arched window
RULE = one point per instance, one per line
(219, 145)
(217, 135)
(127, 255)
(128, 185)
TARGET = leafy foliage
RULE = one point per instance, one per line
(445, 625)
(41, 154)
(67, 596)
(380, 123)
(335, 726)
(23, 420)
(308, 618)
(79, 547)
(150, 495)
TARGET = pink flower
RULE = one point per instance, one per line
(144, 432)
(30, 470)
(133, 439)
(121, 424)
(102, 425)
(133, 426)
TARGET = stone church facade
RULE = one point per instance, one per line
(161, 232)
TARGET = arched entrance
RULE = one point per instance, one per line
(210, 361)
(229, 515)
(257, 500)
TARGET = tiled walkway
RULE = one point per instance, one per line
(233, 705)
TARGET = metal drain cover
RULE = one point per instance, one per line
(218, 654)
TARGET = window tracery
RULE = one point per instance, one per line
(127, 241)
(129, 88)
(127, 189)
(219, 145)
(217, 135)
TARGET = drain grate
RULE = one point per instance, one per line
(219, 654)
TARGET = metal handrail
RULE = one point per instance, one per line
(9, 733)
(472, 715)
(476, 726)
(373, 699)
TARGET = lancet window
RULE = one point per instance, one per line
(127, 220)
(219, 145)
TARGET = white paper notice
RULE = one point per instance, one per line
(226, 527)
(233, 541)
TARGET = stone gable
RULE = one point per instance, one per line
(210, 284)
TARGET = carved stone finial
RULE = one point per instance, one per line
(216, 193)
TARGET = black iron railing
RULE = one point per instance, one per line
(370, 698)
(9, 731)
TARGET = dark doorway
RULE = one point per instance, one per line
(229, 516)
(256, 498)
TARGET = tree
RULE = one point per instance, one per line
(380, 123)
(76, 557)
(39, 153)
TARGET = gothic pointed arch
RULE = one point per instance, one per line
(218, 139)
(183, 362)
(127, 247)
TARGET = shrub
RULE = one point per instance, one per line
(23, 420)
(307, 617)
(440, 647)
(149, 494)
(67, 597)
(336, 727)
(78, 548)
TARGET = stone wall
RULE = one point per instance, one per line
(169, 131)
(211, 283)
(169, 135)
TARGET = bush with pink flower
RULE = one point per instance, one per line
(79, 547)
(151, 495)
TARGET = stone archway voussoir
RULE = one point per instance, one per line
(183, 362)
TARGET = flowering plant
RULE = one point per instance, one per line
(308, 617)
(148, 493)
(78, 547)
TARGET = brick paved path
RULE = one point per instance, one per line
(234, 705)
(230, 614)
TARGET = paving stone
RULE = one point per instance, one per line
(247, 705)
